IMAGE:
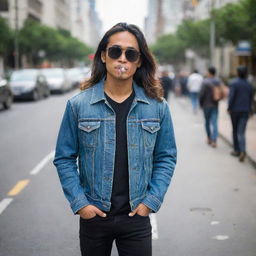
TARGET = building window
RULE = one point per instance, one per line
(4, 6)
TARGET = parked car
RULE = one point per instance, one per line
(29, 84)
(6, 97)
(77, 75)
(57, 79)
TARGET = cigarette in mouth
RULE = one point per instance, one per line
(122, 69)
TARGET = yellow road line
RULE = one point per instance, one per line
(18, 187)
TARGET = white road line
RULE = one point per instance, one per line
(41, 165)
(4, 204)
(221, 237)
(215, 222)
(154, 226)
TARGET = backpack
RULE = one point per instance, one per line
(219, 92)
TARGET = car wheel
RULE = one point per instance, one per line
(47, 93)
(7, 104)
(35, 95)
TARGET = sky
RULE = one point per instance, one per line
(114, 11)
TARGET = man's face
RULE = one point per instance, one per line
(121, 68)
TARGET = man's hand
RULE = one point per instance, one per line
(141, 210)
(90, 211)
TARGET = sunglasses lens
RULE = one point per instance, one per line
(114, 52)
(131, 55)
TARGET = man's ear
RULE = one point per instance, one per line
(103, 56)
(139, 63)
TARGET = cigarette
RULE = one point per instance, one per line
(122, 69)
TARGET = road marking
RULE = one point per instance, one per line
(215, 222)
(18, 187)
(4, 204)
(221, 237)
(154, 226)
(41, 165)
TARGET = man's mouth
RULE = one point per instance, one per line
(121, 69)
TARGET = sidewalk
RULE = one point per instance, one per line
(225, 131)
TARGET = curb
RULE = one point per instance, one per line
(251, 160)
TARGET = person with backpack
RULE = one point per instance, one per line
(209, 97)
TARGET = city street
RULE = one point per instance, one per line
(209, 209)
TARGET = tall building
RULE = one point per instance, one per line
(17, 11)
(77, 16)
(53, 13)
(80, 22)
(164, 16)
(56, 13)
(85, 23)
(203, 8)
(95, 24)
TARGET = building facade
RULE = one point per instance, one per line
(85, 23)
(79, 17)
(164, 16)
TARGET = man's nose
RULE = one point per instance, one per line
(123, 57)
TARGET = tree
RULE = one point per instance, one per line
(250, 10)
(231, 23)
(58, 45)
(195, 35)
(168, 49)
(5, 35)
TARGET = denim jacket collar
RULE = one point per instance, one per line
(98, 93)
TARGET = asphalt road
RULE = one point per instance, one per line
(209, 209)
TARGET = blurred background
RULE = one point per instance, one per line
(46, 51)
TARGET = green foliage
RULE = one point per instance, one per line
(168, 49)
(250, 10)
(58, 45)
(195, 35)
(231, 23)
(5, 35)
(234, 22)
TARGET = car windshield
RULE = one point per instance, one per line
(53, 73)
(23, 75)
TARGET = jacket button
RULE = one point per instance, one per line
(88, 127)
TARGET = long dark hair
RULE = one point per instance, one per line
(144, 76)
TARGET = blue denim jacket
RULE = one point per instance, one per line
(87, 134)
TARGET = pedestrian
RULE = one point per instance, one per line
(166, 83)
(194, 86)
(120, 130)
(240, 107)
(209, 104)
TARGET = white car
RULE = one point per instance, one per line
(57, 79)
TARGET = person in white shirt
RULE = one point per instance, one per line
(194, 85)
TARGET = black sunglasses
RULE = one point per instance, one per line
(115, 51)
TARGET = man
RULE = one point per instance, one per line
(210, 105)
(194, 86)
(120, 130)
(239, 108)
(166, 82)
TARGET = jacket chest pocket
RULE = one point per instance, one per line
(89, 131)
(150, 129)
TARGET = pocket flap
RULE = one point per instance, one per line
(89, 126)
(150, 126)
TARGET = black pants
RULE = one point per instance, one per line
(131, 234)
(239, 121)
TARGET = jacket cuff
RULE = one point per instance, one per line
(79, 203)
(152, 202)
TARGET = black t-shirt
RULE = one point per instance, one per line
(120, 190)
